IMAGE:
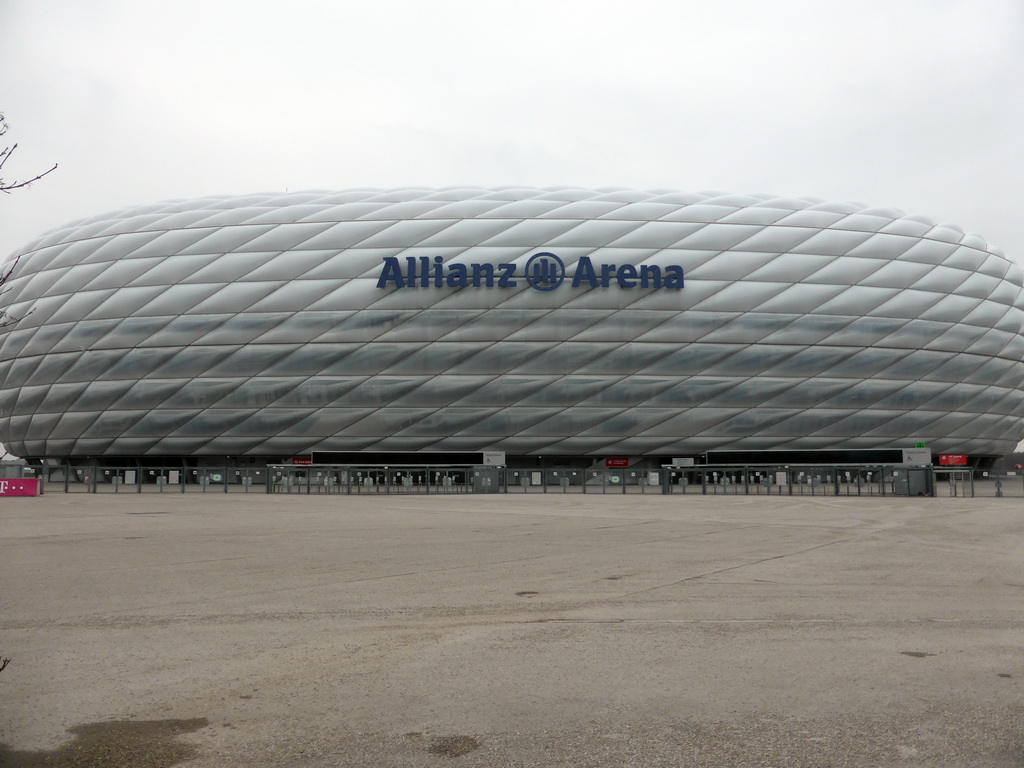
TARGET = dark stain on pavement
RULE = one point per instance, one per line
(113, 744)
(453, 746)
(916, 654)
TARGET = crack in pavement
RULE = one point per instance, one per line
(739, 566)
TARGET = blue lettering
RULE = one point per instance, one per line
(584, 273)
(674, 276)
(546, 274)
(650, 273)
(626, 275)
(458, 276)
(507, 271)
(392, 272)
(484, 273)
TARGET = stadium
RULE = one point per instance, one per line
(513, 326)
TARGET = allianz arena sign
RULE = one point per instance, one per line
(544, 271)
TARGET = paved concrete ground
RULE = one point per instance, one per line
(511, 631)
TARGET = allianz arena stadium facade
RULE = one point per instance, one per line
(562, 323)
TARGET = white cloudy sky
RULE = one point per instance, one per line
(913, 104)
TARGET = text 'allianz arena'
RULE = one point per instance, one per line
(556, 322)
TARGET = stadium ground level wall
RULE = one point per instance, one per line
(328, 480)
(976, 462)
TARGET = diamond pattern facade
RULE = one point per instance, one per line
(255, 326)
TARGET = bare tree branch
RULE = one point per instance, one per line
(5, 154)
(5, 275)
(7, 271)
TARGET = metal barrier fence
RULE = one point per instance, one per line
(70, 479)
(812, 480)
(965, 483)
(809, 480)
(326, 479)
(425, 480)
(329, 479)
(602, 481)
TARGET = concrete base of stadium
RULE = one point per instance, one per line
(228, 630)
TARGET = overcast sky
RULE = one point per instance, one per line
(912, 104)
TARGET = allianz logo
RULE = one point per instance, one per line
(543, 271)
